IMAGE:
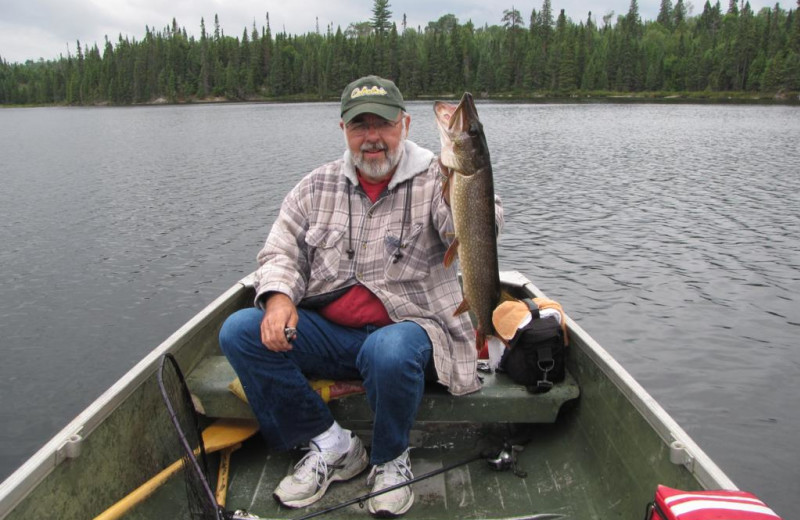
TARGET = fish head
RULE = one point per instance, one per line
(464, 147)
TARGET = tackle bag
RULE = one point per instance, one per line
(536, 340)
(674, 504)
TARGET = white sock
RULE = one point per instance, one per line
(334, 438)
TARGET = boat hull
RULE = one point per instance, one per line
(602, 457)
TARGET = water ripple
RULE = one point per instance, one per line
(670, 232)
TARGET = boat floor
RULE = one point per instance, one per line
(561, 479)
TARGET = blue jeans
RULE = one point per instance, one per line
(391, 360)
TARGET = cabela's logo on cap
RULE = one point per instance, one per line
(368, 91)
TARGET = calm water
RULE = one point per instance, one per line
(670, 232)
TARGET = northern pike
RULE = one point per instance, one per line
(465, 161)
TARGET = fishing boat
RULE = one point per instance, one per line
(594, 447)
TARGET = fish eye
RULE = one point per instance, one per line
(474, 130)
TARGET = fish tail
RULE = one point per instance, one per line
(480, 340)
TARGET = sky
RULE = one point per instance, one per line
(34, 29)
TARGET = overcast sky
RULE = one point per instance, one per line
(33, 29)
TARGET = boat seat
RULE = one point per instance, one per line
(500, 399)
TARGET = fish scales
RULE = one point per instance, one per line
(465, 155)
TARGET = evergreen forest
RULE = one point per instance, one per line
(731, 50)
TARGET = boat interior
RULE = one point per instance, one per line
(580, 450)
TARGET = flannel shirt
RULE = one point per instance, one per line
(305, 255)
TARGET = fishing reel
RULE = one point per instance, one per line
(506, 459)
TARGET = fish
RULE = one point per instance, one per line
(465, 161)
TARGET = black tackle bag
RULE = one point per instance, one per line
(536, 354)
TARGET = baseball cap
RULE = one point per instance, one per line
(373, 95)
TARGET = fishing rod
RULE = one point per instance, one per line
(499, 460)
(363, 498)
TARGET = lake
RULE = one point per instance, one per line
(670, 232)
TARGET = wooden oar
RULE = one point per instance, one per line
(218, 436)
(224, 471)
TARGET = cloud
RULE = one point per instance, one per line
(18, 44)
(36, 29)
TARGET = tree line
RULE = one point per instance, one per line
(736, 50)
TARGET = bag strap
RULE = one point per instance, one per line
(654, 512)
(546, 363)
(544, 355)
(549, 304)
(532, 307)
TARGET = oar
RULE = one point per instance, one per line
(218, 436)
(224, 471)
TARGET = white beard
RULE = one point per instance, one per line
(378, 169)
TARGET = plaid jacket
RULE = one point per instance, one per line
(305, 255)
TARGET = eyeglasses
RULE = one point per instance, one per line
(382, 126)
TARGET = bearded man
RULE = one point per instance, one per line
(354, 264)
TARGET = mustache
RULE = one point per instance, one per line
(374, 147)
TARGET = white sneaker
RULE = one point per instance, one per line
(315, 472)
(396, 502)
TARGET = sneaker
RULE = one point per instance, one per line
(396, 502)
(315, 472)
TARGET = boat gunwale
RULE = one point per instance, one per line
(33, 471)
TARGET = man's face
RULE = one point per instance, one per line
(376, 144)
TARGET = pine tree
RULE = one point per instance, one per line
(744, 48)
(513, 49)
(794, 37)
(679, 14)
(665, 14)
(739, 50)
(568, 68)
(546, 24)
(633, 20)
(512, 18)
(791, 71)
(772, 79)
(381, 16)
(776, 40)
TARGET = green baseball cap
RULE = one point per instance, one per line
(372, 95)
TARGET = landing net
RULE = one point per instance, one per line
(188, 443)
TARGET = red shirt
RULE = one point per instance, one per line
(359, 307)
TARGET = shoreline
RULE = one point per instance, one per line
(702, 97)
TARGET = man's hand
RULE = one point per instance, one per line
(279, 313)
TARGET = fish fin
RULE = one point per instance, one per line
(447, 173)
(463, 307)
(451, 254)
(480, 340)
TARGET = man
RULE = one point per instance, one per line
(354, 262)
